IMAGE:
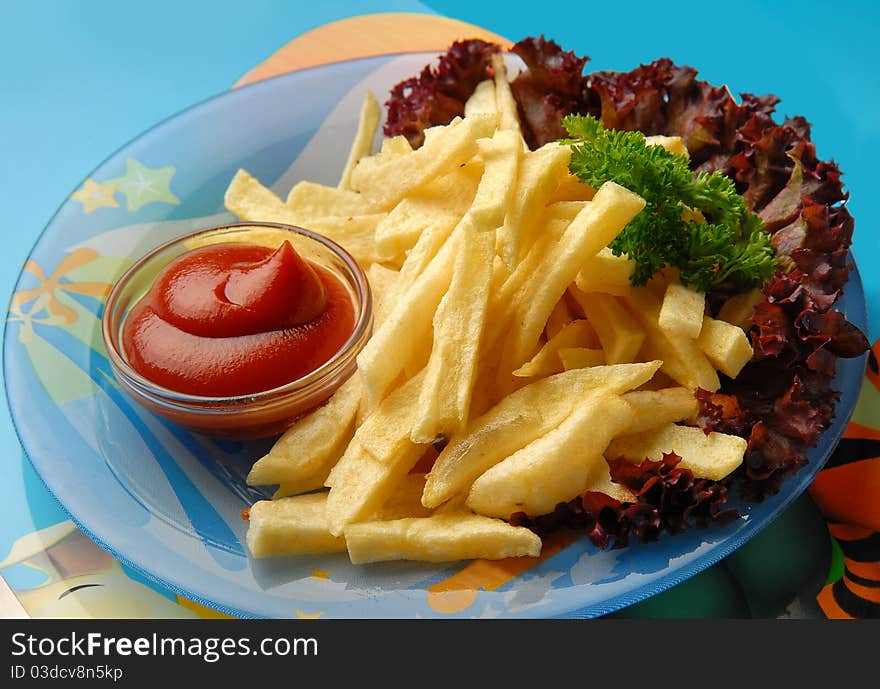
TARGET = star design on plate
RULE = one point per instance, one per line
(94, 195)
(321, 573)
(142, 185)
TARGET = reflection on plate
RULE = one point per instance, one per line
(167, 502)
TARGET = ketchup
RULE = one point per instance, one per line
(236, 319)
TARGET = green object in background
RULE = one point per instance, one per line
(710, 594)
(786, 562)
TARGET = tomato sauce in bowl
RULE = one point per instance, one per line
(237, 331)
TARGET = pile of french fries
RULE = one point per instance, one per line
(510, 353)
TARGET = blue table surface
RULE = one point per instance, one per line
(83, 78)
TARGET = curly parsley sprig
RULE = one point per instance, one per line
(730, 245)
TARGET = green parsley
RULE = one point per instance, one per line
(730, 245)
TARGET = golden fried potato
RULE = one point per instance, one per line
(557, 466)
(482, 100)
(444, 402)
(655, 408)
(439, 538)
(312, 200)
(291, 526)
(580, 357)
(538, 176)
(313, 443)
(726, 346)
(682, 359)
(368, 123)
(606, 273)
(739, 308)
(681, 314)
(711, 456)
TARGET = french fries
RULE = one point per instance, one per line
(576, 333)
(520, 418)
(537, 179)
(388, 181)
(510, 354)
(619, 333)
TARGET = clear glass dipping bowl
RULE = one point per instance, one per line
(255, 415)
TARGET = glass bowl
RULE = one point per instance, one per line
(254, 415)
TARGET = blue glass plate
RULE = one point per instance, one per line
(167, 503)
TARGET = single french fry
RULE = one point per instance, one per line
(482, 100)
(581, 357)
(711, 456)
(518, 419)
(445, 398)
(383, 285)
(559, 317)
(406, 500)
(440, 538)
(673, 144)
(619, 333)
(305, 485)
(556, 467)
(368, 123)
(395, 146)
(564, 210)
(313, 442)
(572, 189)
(726, 346)
(739, 308)
(505, 104)
(291, 526)
(311, 200)
(681, 314)
(601, 483)
(655, 408)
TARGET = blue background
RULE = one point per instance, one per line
(83, 78)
